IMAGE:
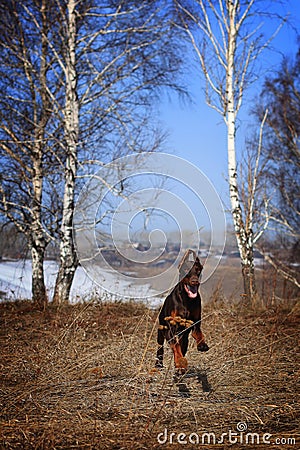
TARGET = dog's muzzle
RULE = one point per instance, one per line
(191, 291)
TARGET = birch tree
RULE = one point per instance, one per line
(25, 117)
(68, 259)
(91, 73)
(113, 57)
(281, 155)
(227, 38)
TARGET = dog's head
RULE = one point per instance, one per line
(189, 276)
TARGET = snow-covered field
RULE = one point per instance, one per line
(15, 283)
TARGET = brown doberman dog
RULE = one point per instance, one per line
(181, 314)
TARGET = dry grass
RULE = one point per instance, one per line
(81, 377)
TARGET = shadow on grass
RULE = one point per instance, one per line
(193, 373)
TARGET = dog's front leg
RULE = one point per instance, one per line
(179, 360)
(200, 340)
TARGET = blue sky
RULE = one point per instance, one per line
(198, 133)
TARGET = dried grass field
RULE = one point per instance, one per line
(81, 377)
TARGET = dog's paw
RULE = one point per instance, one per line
(203, 347)
(182, 364)
(154, 371)
(158, 364)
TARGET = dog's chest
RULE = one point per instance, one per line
(190, 309)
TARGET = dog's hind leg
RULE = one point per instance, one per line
(184, 342)
(160, 351)
(179, 360)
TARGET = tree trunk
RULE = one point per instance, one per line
(39, 294)
(38, 239)
(249, 281)
(63, 283)
(68, 258)
(244, 239)
(248, 269)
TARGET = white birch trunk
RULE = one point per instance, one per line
(244, 237)
(39, 294)
(68, 259)
(37, 237)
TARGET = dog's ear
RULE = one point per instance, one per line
(198, 262)
(188, 259)
(187, 262)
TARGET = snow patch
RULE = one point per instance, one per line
(15, 283)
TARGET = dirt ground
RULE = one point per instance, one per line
(82, 377)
